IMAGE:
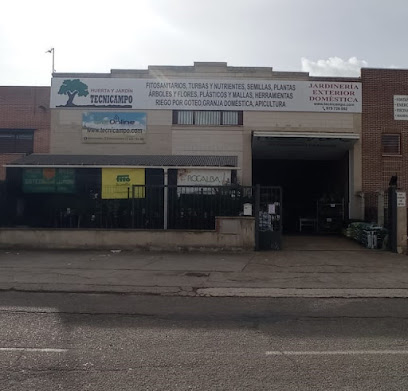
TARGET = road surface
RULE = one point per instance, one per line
(102, 342)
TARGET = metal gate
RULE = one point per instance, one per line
(268, 218)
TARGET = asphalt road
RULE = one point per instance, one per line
(121, 342)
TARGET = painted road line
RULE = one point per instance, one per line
(37, 350)
(336, 353)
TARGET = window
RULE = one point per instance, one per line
(207, 117)
(391, 144)
(16, 141)
(184, 117)
(187, 117)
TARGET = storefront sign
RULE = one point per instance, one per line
(203, 178)
(117, 183)
(48, 180)
(202, 94)
(113, 127)
(401, 107)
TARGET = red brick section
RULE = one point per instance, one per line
(25, 108)
(379, 88)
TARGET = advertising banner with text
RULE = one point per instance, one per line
(117, 183)
(203, 94)
(401, 107)
(113, 127)
(48, 180)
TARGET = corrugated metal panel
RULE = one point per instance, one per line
(126, 160)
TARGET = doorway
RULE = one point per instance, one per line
(308, 187)
(313, 171)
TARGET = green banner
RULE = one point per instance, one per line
(48, 180)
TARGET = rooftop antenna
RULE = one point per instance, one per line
(52, 51)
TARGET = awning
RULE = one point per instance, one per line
(301, 146)
(134, 161)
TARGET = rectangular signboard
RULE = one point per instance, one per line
(401, 107)
(202, 177)
(401, 199)
(113, 127)
(117, 183)
(48, 180)
(206, 94)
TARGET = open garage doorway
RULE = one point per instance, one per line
(314, 173)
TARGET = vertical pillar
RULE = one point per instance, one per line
(133, 205)
(257, 209)
(351, 197)
(401, 222)
(392, 217)
(165, 198)
(362, 205)
(380, 208)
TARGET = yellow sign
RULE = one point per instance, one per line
(117, 183)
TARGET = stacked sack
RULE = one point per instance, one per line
(368, 234)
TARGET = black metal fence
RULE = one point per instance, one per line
(139, 207)
(186, 207)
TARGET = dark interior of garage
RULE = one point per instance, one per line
(314, 192)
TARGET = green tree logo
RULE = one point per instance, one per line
(72, 88)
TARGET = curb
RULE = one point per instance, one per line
(303, 292)
(185, 291)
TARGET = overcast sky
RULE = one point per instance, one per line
(323, 37)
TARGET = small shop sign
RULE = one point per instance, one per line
(200, 178)
(117, 183)
(48, 180)
(401, 199)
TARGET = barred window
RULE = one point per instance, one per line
(391, 144)
(202, 117)
(230, 118)
(208, 118)
(185, 117)
(16, 141)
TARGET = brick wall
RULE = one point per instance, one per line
(379, 88)
(25, 108)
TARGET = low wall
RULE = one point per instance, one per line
(232, 233)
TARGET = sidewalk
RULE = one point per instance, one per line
(339, 268)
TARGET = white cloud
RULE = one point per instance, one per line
(334, 66)
(99, 35)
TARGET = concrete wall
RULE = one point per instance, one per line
(356, 182)
(164, 138)
(205, 140)
(232, 233)
(302, 122)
